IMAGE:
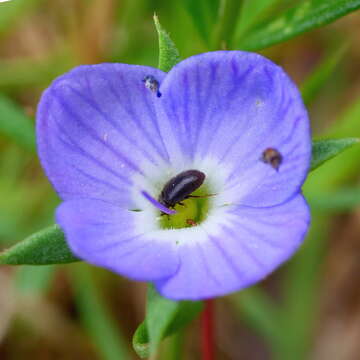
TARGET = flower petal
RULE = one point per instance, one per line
(108, 236)
(230, 106)
(97, 129)
(249, 247)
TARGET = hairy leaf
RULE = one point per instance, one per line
(324, 150)
(168, 53)
(15, 125)
(45, 247)
(164, 317)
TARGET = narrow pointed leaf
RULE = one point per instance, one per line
(15, 125)
(324, 150)
(228, 18)
(164, 317)
(339, 200)
(319, 77)
(34, 280)
(45, 247)
(260, 313)
(346, 166)
(250, 12)
(303, 17)
(204, 14)
(11, 12)
(95, 316)
(168, 53)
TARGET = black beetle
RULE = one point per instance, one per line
(180, 187)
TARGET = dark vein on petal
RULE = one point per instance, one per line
(77, 149)
(93, 178)
(219, 123)
(228, 259)
(132, 115)
(115, 244)
(199, 107)
(206, 265)
(208, 98)
(154, 121)
(258, 235)
(107, 118)
(94, 135)
(244, 248)
(186, 114)
(237, 82)
(176, 123)
(248, 154)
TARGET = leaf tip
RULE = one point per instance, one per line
(157, 22)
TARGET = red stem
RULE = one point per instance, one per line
(207, 331)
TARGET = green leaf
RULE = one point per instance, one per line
(344, 167)
(345, 199)
(250, 12)
(168, 53)
(34, 280)
(16, 125)
(302, 278)
(259, 312)
(11, 11)
(324, 150)
(225, 28)
(315, 82)
(204, 14)
(15, 74)
(140, 341)
(164, 317)
(307, 15)
(97, 319)
(304, 270)
(45, 247)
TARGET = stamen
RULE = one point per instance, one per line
(152, 84)
(158, 205)
(272, 157)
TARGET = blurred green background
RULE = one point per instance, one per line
(309, 309)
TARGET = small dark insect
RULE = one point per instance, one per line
(152, 84)
(272, 157)
(180, 187)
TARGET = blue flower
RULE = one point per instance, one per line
(110, 137)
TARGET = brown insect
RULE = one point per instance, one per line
(272, 157)
(191, 222)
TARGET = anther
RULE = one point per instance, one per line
(272, 157)
(152, 84)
